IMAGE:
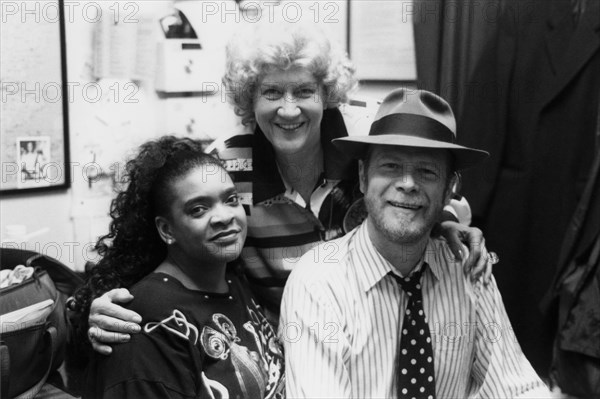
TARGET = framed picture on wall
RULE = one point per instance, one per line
(34, 144)
(381, 40)
(33, 158)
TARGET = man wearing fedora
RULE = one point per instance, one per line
(387, 311)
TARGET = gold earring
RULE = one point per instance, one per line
(169, 241)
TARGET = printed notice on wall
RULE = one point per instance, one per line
(381, 38)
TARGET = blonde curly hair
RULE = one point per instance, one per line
(251, 55)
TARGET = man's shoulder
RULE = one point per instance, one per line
(451, 270)
(438, 245)
(325, 262)
(438, 252)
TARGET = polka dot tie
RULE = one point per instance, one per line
(414, 358)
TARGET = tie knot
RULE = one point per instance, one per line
(411, 284)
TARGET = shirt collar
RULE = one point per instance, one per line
(435, 257)
(372, 267)
(266, 180)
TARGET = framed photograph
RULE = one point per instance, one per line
(381, 40)
(34, 144)
(33, 160)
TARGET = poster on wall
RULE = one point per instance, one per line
(381, 40)
(35, 136)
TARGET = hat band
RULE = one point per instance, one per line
(412, 125)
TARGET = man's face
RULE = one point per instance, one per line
(405, 191)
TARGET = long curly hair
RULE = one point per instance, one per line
(251, 55)
(133, 248)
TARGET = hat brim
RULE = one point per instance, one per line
(356, 146)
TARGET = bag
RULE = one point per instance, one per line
(32, 346)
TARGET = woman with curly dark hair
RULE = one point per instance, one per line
(176, 232)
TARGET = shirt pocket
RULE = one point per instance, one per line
(452, 354)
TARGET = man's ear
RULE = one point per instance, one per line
(450, 188)
(362, 176)
(164, 229)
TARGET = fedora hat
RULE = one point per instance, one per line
(413, 118)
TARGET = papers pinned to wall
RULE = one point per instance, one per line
(125, 47)
(382, 39)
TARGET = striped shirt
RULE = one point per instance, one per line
(340, 321)
(281, 226)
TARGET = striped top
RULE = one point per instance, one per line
(281, 226)
(340, 321)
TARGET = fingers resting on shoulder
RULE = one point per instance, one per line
(111, 323)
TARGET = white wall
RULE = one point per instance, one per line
(104, 130)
